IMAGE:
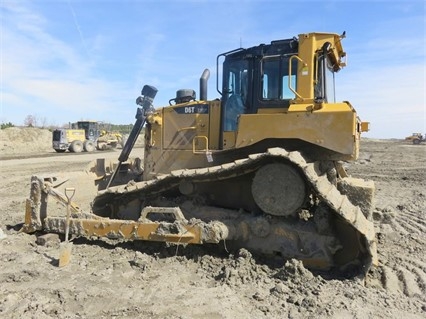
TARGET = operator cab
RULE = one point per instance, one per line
(266, 77)
(91, 129)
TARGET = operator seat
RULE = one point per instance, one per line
(233, 108)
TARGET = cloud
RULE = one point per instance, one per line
(45, 75)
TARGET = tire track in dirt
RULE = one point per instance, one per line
(409, 224)
(399, 219)
(405, 270)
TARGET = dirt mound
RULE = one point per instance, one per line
(18, 140)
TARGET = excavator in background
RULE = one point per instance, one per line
(85, 136)
(258, 168)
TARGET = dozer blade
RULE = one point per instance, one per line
(87, 224)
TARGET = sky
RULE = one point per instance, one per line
(67, 60)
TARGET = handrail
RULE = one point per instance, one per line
(205, 151)
(290, 73)
(187, 128)
(200, 151)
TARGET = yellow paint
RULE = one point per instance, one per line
(316, 127)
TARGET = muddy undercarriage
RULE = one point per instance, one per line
(216, 204)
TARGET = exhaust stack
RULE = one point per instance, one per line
(203, 84)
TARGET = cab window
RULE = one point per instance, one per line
(276, 78)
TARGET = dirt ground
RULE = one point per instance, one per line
(108, 279)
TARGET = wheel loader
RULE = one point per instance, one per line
(260, 167)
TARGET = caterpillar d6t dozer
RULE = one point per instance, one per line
(259, 168)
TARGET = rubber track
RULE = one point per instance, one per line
(325, 190)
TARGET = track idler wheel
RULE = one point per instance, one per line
(279, 189)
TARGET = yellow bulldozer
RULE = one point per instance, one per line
(261, 167)
(416, 138)
(85, 136)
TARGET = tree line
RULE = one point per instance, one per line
(34, 121)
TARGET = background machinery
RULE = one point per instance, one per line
(416, 138)
(85, 136)
(259, 168)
